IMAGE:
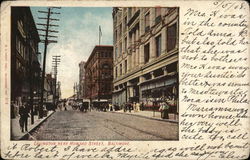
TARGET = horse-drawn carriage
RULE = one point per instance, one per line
(85, 105)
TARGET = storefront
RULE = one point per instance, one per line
(119, 97)
(133, 90)
(163, 88)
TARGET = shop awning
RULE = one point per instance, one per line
(159, 84)
(172, 75)
(170, 82)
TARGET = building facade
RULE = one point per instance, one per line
(49, 94)
(99, 73)
(145, 55)
(25, 66)
(81, 92)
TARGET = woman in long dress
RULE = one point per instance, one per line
(165, 109)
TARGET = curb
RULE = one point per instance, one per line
(25, 136)
(165, 120)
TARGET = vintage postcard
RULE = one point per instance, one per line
(125, 80)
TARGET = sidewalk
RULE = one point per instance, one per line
(17, 134)
(151, 115)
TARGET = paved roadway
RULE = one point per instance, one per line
(94, 125)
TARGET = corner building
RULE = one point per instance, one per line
(145, 55)
(98, 73)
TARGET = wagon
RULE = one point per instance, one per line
(85, 105)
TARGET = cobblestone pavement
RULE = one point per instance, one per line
(94, 125)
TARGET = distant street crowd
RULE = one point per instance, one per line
(163, 107)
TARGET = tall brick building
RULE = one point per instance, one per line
(99, 73)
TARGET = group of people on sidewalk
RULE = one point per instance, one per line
(136, 107)
(132, 106)
(22, 109)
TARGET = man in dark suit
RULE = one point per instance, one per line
(24, 114)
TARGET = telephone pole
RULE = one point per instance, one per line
(46, 41)
(75, 90)
(55, 62)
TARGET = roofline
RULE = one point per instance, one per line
(103, 45)
(93, 51)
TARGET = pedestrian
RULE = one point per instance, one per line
(60, 106)
(102, 106)
(129, 105)
(111, 107)
(137, 106)
(16, 108)
(64, 105)
(134, 107)
(142, 106)
(124, 106)
(165, 108)
(24, 114)
(161, 109)
(105, 107)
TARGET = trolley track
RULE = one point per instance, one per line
(94, 125)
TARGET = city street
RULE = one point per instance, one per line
(120, 68)
(94, 125)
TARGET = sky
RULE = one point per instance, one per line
(78, 34)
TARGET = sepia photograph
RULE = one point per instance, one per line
(94, 73)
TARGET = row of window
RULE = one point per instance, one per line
(101, 88)
(132, 37)
(170, 43)
(100, 55)
(121, 29)
(105, 54)
(117, 54)
(133, 10)
(121, 69)
(105, 88)
(171, 39)
(26, 51)
(147, 18)
(104, 73)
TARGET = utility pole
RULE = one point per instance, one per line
(31, 77)
(31, 71)
(55, 62)
(59, 89)
(74, 90)
(46, 41)
(29, 38)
